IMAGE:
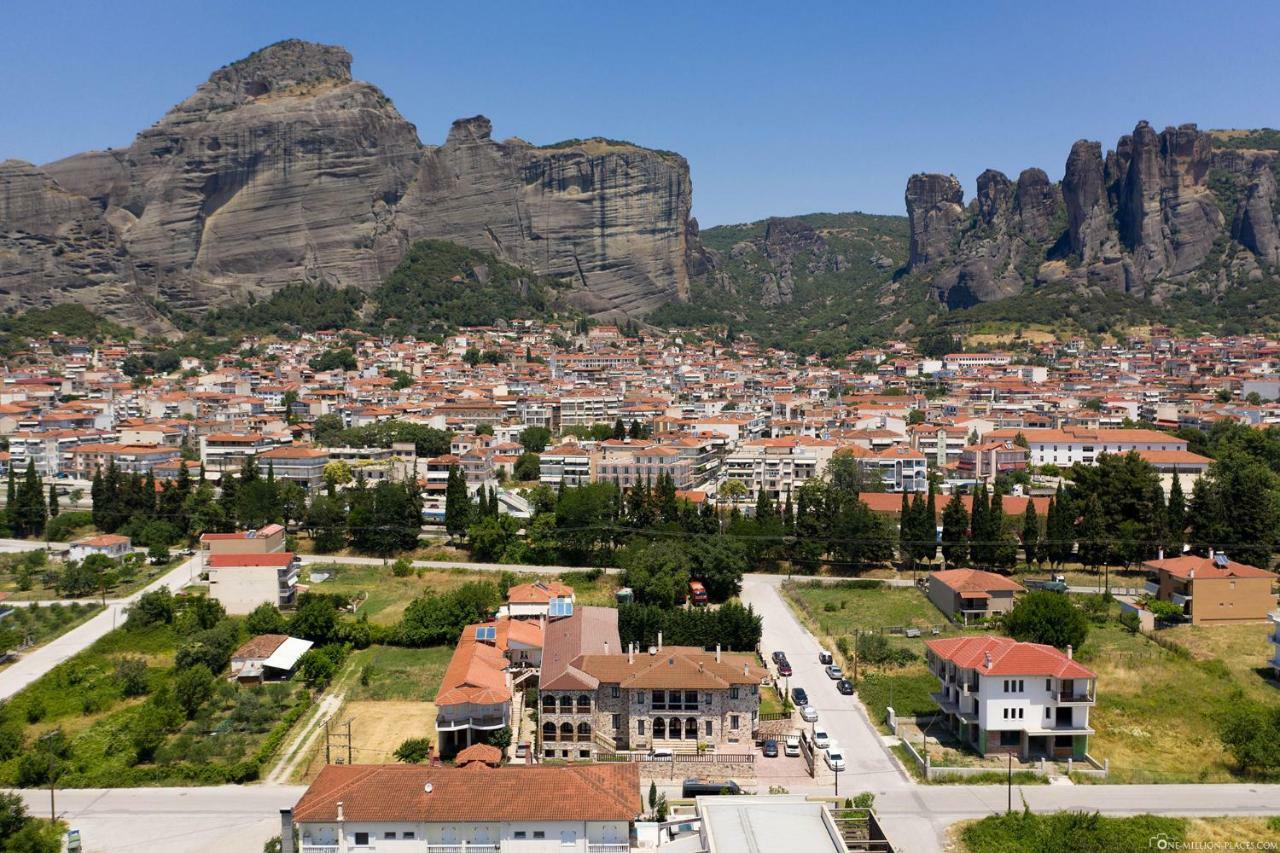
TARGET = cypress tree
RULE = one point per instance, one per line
(955, 536)
(1175, 516)
(906, 531)
(53, 501)
(1031, 532)
(929, 526)
(979, 529)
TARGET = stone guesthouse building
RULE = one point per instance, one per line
(596, 696)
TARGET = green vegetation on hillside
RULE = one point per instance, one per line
(844, 295)
(69, 319)
(296, 307)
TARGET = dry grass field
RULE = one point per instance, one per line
(377, 728)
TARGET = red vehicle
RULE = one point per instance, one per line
(697, 594)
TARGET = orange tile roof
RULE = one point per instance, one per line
(279, 559)
(539, 592)
(1007, 657)
(976, 580)
(1205, 567)
(476, 674)
(397, 792)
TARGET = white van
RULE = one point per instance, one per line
(824, 657)
(791, 746)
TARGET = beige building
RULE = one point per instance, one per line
(264, 540)
(594, 697)
(964, 594)
(241, 582)
(1213, 590)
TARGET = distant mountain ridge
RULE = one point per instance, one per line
(281, 168)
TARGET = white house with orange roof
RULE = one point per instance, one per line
(534, 600)
(110, 545)
(474, 699)
(1000, 695)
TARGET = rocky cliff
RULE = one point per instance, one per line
(1162, 213)
(282, 168)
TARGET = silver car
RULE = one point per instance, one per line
(834, 673)
(808, 713)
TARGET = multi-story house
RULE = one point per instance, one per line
(595, 697)
(965, 594)
(265, 540)
(129, 458)
(941, 444)
(1213, 590)
(476, 808)
(301, 465)
(627, 464)
(567, 463)
(777, 465)
(984, 462)
(241, 582)
(1070, 445)
(899, 468)
(474, 699)
(1000, 695)
(225, 452)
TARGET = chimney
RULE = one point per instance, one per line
(606, 647)
(659, 641)
(717, 653)
(631, 653)
(286, 831)
(1191, 574)
(1160, 554)
(986, 660)
(341, 817)
(1071, 653)
(746, 669)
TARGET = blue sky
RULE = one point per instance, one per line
(780, 108)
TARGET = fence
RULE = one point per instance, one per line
(679, 758)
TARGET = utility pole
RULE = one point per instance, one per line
(349, 760)
(327, 757)
(1010, 783)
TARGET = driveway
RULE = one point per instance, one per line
(870, 766)
(31, 666)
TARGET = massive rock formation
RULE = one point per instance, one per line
(1147, 218)
(282, 168)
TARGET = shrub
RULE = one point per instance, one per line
(865, 800)
(151, 608)
(1049, 618)
(415, 750)
(402, 568)
(131, 675)
(265, 619)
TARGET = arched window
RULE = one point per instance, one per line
(566, 704)
(548, 704)
(584, 731)
(673, 728)
(548, 732)
(566, 731)
(691, 728)
(584, 704)
(659, 728)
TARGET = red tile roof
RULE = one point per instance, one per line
(279, 559)
(1007, 657)
(398, 792)
(1205, 567)
(976, 580)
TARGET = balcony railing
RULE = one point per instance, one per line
(1151, 588)
(317, 848)
(1072, 696)
(445, 724)
(593, 847)
(463, 847)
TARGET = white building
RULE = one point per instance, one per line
(412, 808)
(240, 582)
(568, 463)
(1070, 445)
(108, 544)
(777, 465)
(1000, 695)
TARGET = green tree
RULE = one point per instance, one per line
(1047, 617)
(457, 503)
(266, 618)
(1031, 533)
(657, 572)
(955, 532)
(193, 687)
(534, 439)
(1251, 733)
(415, 750)
(326, 520)
(1176, 516)
(54, 509)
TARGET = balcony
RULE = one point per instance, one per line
(463, 847)
(444, 724)
(317, 848)
(593, 847)
(1151, 588)
(1179, 599)
(1072, 697)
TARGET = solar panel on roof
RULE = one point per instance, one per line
(1220, 560)
(486, 632)
(560, 607)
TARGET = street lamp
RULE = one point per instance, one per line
(836, 770)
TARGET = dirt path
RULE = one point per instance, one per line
(300, 746)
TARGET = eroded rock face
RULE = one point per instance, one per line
(1143, 215)
(282, 168)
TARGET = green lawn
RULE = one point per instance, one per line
(37, 576)
(388, 672)
(1025, 831)
(388, 595)
(841, 608)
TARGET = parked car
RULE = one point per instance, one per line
(770, 748)
(659, 755)
(808, 713)
(845, 686)
(834, 673)
(698, 788)
(784, 669)
(791, 746)
(779, 657)
(824, 657)
(834, 758)
(821, 739)
(799, 696)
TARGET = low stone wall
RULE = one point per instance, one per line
(712, 771)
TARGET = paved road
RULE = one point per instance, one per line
(17, 546)
(226, 819)
(870, 766)
(31, 666)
